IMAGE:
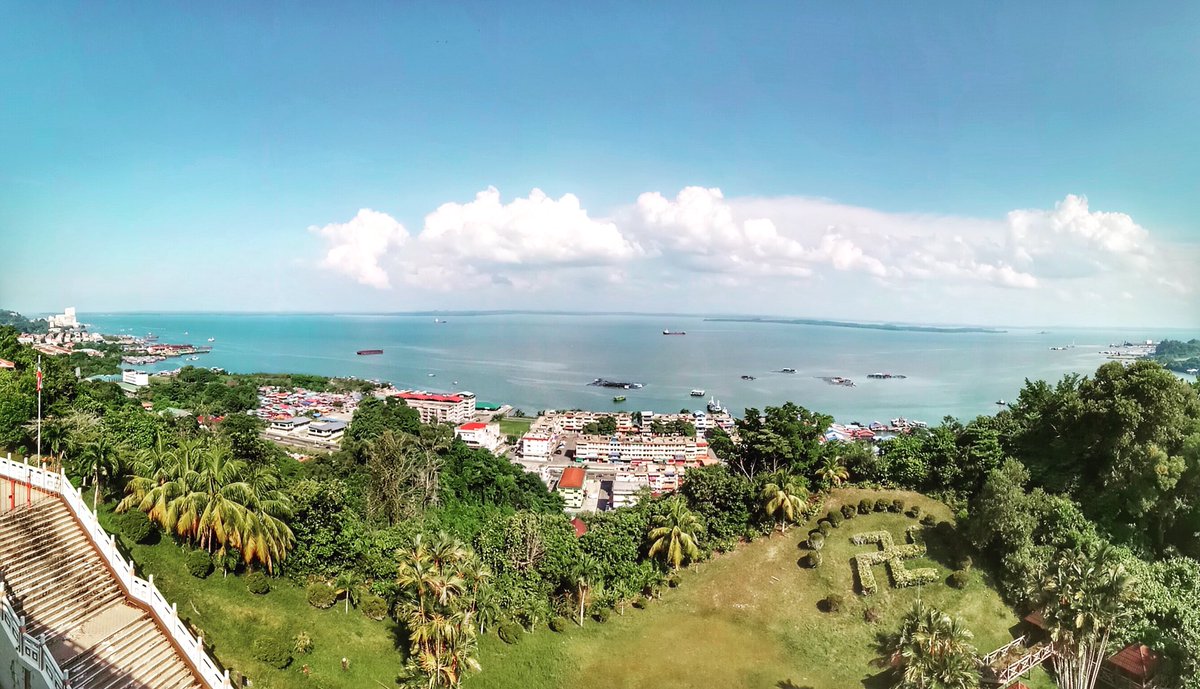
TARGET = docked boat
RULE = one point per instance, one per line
(367, 352)
(674, 332)
(619, 398)
(714, 406)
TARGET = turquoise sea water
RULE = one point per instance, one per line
(540, 361)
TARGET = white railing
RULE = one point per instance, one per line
(142, 590)
(32, 649)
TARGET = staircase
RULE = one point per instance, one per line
(58, 581)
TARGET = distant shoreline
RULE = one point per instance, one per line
(862, 326)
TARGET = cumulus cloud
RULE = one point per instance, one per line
(356, 247)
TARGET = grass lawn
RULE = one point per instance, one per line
(515, 425)
(231, 618)
(750, 619)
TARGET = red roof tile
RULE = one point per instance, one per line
(428, 397)
(572, 478)
(1137, 661)
(473, 426)
(580, 527)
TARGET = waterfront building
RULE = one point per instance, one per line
(436, 408)
(135, 378)
(480, 436)
(639, 448)
(570, 486)
(65, 320)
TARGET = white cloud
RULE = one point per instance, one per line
(1072, 241)
(355, 248)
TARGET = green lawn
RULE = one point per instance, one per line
(750, 619)
(231, 618)
(517, 426)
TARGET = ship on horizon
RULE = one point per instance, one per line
(366, 352)
(674, 332)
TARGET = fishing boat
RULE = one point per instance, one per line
(787, 370)
(714, 406)
(619, 398)
(696, 393)
(747, 377)
(212, 339)
(367, 352)
(674, 332)
(432, 375)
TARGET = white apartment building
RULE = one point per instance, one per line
(139, 378)
(66, 319)
(436, 408)
(480, 436)
(536, 445)
(637, 449)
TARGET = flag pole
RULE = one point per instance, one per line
(39, 391)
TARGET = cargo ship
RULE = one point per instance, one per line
(365, 352)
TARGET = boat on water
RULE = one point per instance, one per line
(714, 406)
(1193, 371)
(696, 393)
(1001, 403)
(787, 370)
(433, 375)
(605, 383)
(619, 398)
(366, 352)
(674, 332)
(212, 339)
(748, 378)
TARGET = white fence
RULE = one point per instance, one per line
(145, 592)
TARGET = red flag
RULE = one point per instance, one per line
(39, 379)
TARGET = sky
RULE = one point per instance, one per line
(991, 163)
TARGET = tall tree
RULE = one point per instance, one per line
(833, 472)
(930, 650)
(783, 500)
(674, 533)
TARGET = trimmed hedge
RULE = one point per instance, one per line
(928, 520)
(559, 624)
(824, 527)
(812, 560)
(833, 602)
(881, 505)
(256, 583)
(134, 525)
(199, 563)
(374, 607)
(865, 505)
(601, 615)
(274, 652)
(321, 596)
(510, 632)
(958, 579)
(915, 512)
(897, 506)
(848, 511)
(834, 517)
(816, 540)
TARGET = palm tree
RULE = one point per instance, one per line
(674, 533)
(833, 472)
(783, 501)
(101, 456)
(1083, 596)
(931, 650)
(348, 586)
(584, 576)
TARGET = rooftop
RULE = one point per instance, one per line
(473, 426)
(429, 397)
(1138, 661)
(572, 478)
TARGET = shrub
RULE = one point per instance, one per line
(833, 602)
(965, 562)
(559, 624)
(641, 603)
(834, 517)
(374, 607)
(256, 583)
(673, 581)
(199, 563)
(824, 527)
(601, 615)
(816, 540)
(897, 506)
(928, 520)
(510, 632)
(872, 615)
(915, 512)
(864, 506)
(848, 511)
(274, 652)
(812, 560)
(321, 595)
(881, 505)
(958, 579)
(302, 644)
(135, 526)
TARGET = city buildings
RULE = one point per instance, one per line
(479, 435)
(327, 430)
(641, 447)
(534, 446)
(570, 486)
(65, 320)
(453, 409)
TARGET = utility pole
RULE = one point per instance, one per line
(39, 392)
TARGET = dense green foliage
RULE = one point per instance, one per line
(1177, 355)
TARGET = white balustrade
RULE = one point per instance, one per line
(34, 650)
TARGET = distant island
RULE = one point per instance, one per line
(863, 326)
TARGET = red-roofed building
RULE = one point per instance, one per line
(437, 408)
(580, 527)
(1133, 667)
(480, 436)
(570, 486)
(5, 363)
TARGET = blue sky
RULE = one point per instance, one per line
(217, 156)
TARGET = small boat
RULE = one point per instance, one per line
(212, 339)
(454, 382)
(432, 375)
(674, 332)
(714, 406)
(1193, 371)
(696, 393)
(619, 398)
(366, 352)
(787, 370)
(747, 377)
(1001, 403)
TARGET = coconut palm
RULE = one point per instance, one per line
(585, 575)
(348, 586)
(783, 501)
(101, 456)
(1083, 596)
(674, 533)
(833, 471)
(931, 650)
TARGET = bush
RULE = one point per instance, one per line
(673, 581)
(641, 603)
(833, 602)
(256, 583)
(302, 644)
(602, 614)
(510, 632)
(897, 506)
(864, 506)
(881, 505)
(274, 652)
(374, 607)
(321, 596)
(199, 563)
(816, 540)
(928, 520)
(135, 526)
(958, 579)
(812, 560)
(965, 563)
(872, 615)
(824, 527)
(835, 518)
(559, 624)
(915, 512)
(848, 511)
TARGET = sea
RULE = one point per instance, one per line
(545, 361)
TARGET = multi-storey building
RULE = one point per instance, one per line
(478, 435)
(640, 448)
(437, 408)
